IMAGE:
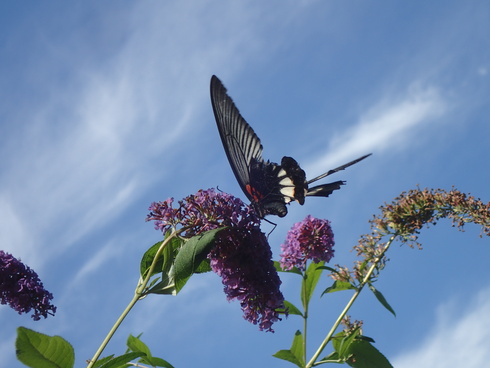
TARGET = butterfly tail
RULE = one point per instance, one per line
(343, 167)
(324, 190)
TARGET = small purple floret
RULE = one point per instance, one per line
(310, 239)
(206, 210)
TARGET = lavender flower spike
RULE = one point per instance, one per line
(21, 288)
(205, 210)
(310, 239)
(241, 257)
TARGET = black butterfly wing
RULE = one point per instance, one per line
(241, 144)
(324, 190)
(267, 185)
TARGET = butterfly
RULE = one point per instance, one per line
(269, 186)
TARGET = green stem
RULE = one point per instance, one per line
(305, 317)
(113, 330)
(327, 339)
(137, 296)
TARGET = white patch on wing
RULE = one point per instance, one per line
(286, 182)
(288, 193)
(286, 186)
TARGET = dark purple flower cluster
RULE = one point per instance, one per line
(21, 288)
(203, 211)
(242, 256)
(243, 260)
(310, 239)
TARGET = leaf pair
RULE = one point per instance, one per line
(349, 347)
(177, 261)
(357, 351)
(37, 350)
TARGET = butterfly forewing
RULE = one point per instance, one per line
(240, 142)
(268, 186)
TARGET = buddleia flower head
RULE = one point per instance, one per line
(22, 290)
(310, 239)
(241, 256)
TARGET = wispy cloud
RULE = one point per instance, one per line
(85, 151)
(390, 123)
(457, 340)
(72, 170)
(97, 260)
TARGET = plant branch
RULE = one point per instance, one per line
(327, 339)
(137, 296)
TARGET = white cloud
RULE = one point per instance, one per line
(11, 229)
(391, 123)
(81, 155)
(483, 71)
(85, 147)
(458, 340)
(97, 260)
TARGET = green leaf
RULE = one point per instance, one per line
(297, 347)
(311, 277)
(170, 252)
(192, 254)
(37, 350)
(164, 287)
(381, 299)
(296, 353)
(330, 358)
(102, 361)
(204, 266)
(364, 355)
(295, 270)
(292, 308)
(333, 270)
(366, 338)
(121, 360)
(339, 286)
(341, 342)
(165, 260)
(357, 351)
(159, 362)
(147, 260)
(363, 266)
(288, 356)
(136, 345)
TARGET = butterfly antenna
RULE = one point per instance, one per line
(343, 167)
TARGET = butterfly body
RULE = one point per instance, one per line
(272, 186)
(268, 185)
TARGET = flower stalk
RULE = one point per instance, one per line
(138, 294)
(349, 304)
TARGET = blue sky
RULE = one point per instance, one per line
(104, 108)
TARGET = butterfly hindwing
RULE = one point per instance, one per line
(264, 181)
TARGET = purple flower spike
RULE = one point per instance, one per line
(243, 260)
(241, 257)
(21, 288)
(205, 210)
(311, 239)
